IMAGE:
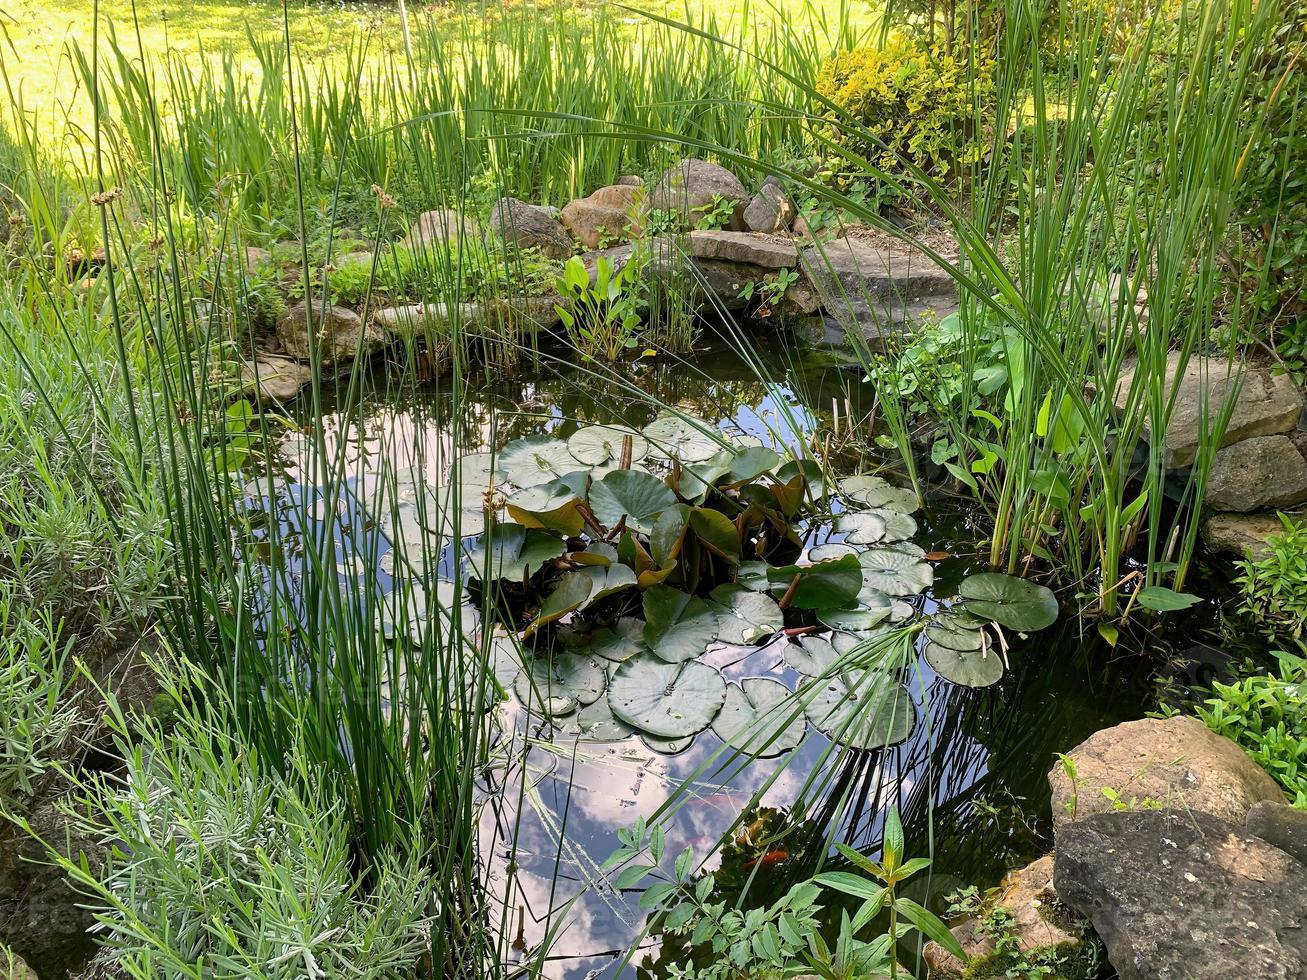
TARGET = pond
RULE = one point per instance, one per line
(967, 775)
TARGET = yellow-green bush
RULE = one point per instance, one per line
(910, 103)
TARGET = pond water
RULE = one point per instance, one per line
(969, 780)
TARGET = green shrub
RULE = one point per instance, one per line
(1275, 587)
(1264, 715)
(910, 104)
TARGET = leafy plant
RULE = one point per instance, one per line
(602, 317)
(1274, 588)
(996, 925)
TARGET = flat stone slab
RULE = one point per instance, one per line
(1241, 535)
(274, 379)
(1170, 762)
(433, 321)
(1255, 473)
(1266, 404)
(745, 247)
(1184, 895)
(1280, 824)
(339, 333)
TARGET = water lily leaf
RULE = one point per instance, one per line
(550, 505)
(746, 616)
(417, 524)
(505, 656)
(898, 611)
(667, 746)
(410, 607)
(760, 717)
(558, 685)
(1158, 598)
(571, 592)
(639, 497)
(970, 668)
(599, 553)
(753, 575)
(594, 722)
(677, 626)
(863, 709)
(953, 630)
(668, 534)
(824, 585)
(514, 552)
(875, 491)
(861, 527)
(620, 642)
(895, 573)
(858, 618)
(696, 479)
(1009, 601)
(596, 445)
(834, 549)
(666, 700)
(907, 547)
(717, 532)
(810, 470)
(607, 579)
(475, 472)
(814, 655)
(897, 526)
(675, 437)
(749, 464)
(534, 460)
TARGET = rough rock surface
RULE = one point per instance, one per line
(1178, 895)
(1176, 762)
(1027, 894)
(690, 188)
(274, 379)
(1241, 535)
(432, 321)
(1266, 404)
(530, 226)
(1255, 473)
(252, 257)
(340, 333)
(770, 210)
(609, 215)
(441, 225)
(748, 248)
(1282, 825)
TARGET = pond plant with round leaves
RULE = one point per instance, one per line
(615, 560)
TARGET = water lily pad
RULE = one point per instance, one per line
(858, 618)
(639, 497)
(834, 549)
(596, 445)
(534, 460)
(717, 532)
(953, 631)
(667, 746)
(677, 626)
(895, 573)
(753, 575)
(863, 709)
(747, 617)
(1012, 602)
(666, 700)
(675, 437)
(760, 717)
(861, 527)
(473, 471)
(898, 526)
(571, 592)
(749, 464)
(875, 491)
(558, 685)
(824, 585)
(620, 642)
(551, 505)
(505, 656)
(811, 472)
(898, 611)
(514, 552)
(594, 722)
(970, 668)
(607, 579)
(814, 655)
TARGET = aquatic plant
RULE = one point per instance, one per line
(1274, 588)
(601, 317)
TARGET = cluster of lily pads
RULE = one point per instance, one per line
(615, 559)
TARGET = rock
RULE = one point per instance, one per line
(1176, 894)
(253, 257)
(1255, 473)
(631, 180)
(530, 226)
(341, 335)
(434, 321)
(611, 214)
(744, 248)
(691, 187)
(1280, 824)
(441, 225)
(1242, 535)
(274, 379)
(1027, 895)
(1266, 405)
(877, 292)
(617, 256)
(770, 210)
(1177, 762)
(354, 259)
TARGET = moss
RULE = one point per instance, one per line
(1065, 961)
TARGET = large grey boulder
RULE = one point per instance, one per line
(339, 333)
(770, 210)
(435, 322)
(1241, 535)
(530, 226)
(609, 216)
(1255, 473)
(744, 248)
(1280, 824)
(1266, 404)
(1184, 895)
(441, 225)
(1172, 762)
(273, 379)
(692, 187)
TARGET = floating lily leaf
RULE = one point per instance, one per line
(599, 553)
(668, 534)
(666, 700)
(859, 618)
(550, 505)
(717, 532)
(416, 526)
(811, 472)
(474, 471)
(907, 547)
(594, 722)
(534, 460)
(746, 616)
(1159, 598)
(410, 606)
(897, 610)
(639, 497)
(970, 668)
(861, 527)
(620, 642)
(898, 526)
(596, 445)
(558, 685)
(1012, 602)
(876, 491)
(677, 626)
(835, 549)
(760, 717)
(607, 579)
(749, 464)
(597, 473)
(675, 437)
(863, 709)
(696, 479)
(571, 592)
(505, 657)
(814, 655)
(754, 575)
(667, 746)
(514, 552)
(825, 585)
(895, 573)
(954, 630)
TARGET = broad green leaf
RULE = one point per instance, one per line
(875, 491)
(760, 717)
(863, 709)
(514, 552)
(622, 641)
(678, 626)
(571, 592)
(1161, 599)
(824, 585)
(895, 573)
(746, 616)
(596, 445)
(717, 532)
(639, 497)
(1012, 602)
(666, 700)
(534, 460)
(550, 505)
(674, 437)
(558, 685)
(970, 668)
